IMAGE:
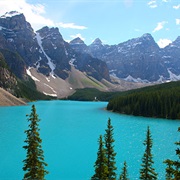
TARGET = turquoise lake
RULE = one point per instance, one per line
(70, 130)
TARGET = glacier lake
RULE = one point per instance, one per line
(70, 130)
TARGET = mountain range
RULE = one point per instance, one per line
(45, 61)
(139, 59)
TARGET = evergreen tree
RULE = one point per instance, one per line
(110, 154)
(124, 174)
(101, 170)
(173, 167)
(34, 165)
(147, 172)
(169, 170)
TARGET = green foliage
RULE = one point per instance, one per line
(3, 63)
(124, 173)
(101, 169)
(89, 94)
(23, 88)
(173, 167)
(110, 154)
(27, 89)
(162, 101)
(147, 172)
(105, 163)
(34, 165)
(14, 61)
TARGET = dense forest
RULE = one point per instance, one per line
(162, 101)
(92, 94)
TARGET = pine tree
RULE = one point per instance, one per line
(34, 165)
(147, 172)
(173, 167)
(101, 170)
(110, 154)
(124, 173)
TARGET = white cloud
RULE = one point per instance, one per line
(178, 21)
(34, 14)
(77, 35)
(160, 26)
(137, 30)
(71, 26)
(152, 4)
(164, 42)
(177, 7)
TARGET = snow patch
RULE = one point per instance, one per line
(54, 46)
(173, 77)
(71, 62)
(37, 64)
(10, 40)
(165, 57)
(48, 79)
(66, 51)
(50, 88)
(11, 14)
(138, 80)
(161, 79)
(47, 94)
(29, 73)
(135, 44)
(50, 63)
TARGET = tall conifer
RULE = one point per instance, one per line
(173, 167)
(124, 173)
(34, 165)
(147, 172)
(110, 154)
(101, 170)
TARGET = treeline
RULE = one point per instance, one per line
(21, 86)
(105, 165)
(162, 101)
(91, 94)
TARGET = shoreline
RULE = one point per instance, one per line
(7, 99)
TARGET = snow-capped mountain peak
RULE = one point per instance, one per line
(11, 14)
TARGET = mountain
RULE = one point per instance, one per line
(47, 59)
(42, 61)
(139, 59)
(79, 43)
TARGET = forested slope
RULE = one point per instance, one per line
(162, 101)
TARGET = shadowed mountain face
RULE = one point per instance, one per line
(47, 54)
(45, 50)
(138, 59)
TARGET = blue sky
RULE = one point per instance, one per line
(113, 21)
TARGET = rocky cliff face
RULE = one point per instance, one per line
(18, 36)
(7, 79)
(170, 56)
(54, 48)
(44, 50)
(139, 59)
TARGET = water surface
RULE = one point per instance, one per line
(70, 130)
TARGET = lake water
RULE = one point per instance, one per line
(70, 131)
